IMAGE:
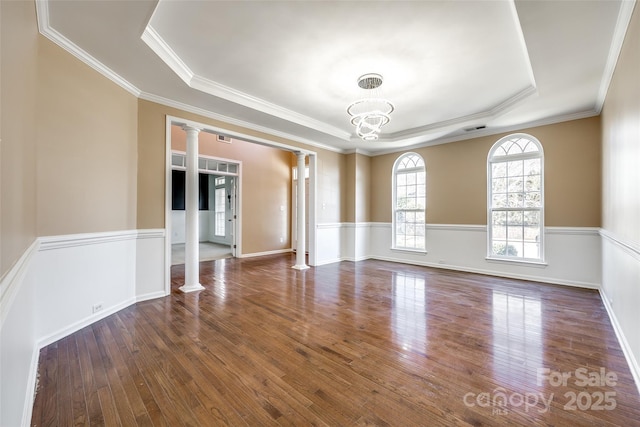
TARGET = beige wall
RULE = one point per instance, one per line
(87, 148)
(457, 176)
(18, 87)
(266, 187)
(621, 142)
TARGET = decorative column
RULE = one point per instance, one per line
(191, 245)
(301, 263)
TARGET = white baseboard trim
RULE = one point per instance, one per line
(32, 386)
(626, 348)
(89, 320)
(531, 278)
(257, 254)
(150, 296)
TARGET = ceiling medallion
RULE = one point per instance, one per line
(369, 114)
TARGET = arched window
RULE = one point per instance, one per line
(409, 202)
(515, 189)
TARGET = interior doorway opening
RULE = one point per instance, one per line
(218, 196)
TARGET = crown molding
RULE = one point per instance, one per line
(622, 24)
(155, 41)
(157, 44)
(493, 131)
(42, 15)
(458, 122)
(235, 122)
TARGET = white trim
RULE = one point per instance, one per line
(257, 254)
(42, 15)
(225, 92)
(11, 281)
(234, 122)
(72, 240)
(89, 320)
(622, 24)
(489, 131)
(164, 51)
(157, 44)
(455, 123)
(528, 277)
(622, 339)
(151, 233)
(632, 249)
(523, 261)
(32, 384)
(150, 296)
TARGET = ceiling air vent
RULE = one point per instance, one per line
(475, 128)
(222, 138)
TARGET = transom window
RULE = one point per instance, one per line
(409, 202)
(516, 199)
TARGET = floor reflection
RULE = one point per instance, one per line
(409, 316)
(517, 337)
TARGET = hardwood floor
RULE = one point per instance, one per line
(348, 344)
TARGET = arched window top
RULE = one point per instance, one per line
(409, 161)
(514, 145)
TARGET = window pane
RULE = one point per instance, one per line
(499, 185)
(499, 218)
(499, 232)
(532, 167)
(515, 200)
(515, 218)
(515, 185)
(401, 179)
(499, 170)
(499, 200)
(515, 168)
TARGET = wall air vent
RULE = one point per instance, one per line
(475, 128)
(222, 138)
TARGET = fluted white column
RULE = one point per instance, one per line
(301, 263)
(191, 245)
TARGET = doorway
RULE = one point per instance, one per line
(217, 216)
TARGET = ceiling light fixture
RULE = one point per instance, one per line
(369, 114)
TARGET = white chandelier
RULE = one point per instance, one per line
(369, 114)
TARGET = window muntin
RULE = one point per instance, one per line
(409, 202)
(515, 199)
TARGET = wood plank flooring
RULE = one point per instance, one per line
(347, 344)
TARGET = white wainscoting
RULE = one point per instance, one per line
(621, 295)
(18, 340)
(572, 254)
(52, 290)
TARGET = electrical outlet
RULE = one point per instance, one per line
(282, 240)
(97, 307)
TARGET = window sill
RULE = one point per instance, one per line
(413, 251)
(529, 263)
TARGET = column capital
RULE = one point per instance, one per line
(188, 128)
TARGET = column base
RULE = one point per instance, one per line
(191, 288)
(300, 267)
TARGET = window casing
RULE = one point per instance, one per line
(409, 203)
(515, 202)
(220, 208)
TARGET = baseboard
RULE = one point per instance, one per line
(32, 387)
(89, 320)
(257, 254)
(551, 281)
(150, 296)
(626, 348)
